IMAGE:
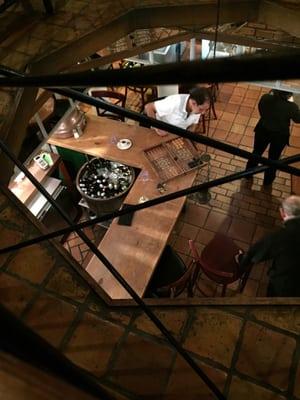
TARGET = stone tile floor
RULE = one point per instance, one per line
(248, 351)
(244, 211)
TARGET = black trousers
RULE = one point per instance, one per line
(277, 143)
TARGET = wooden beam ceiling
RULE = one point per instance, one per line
(190, 15)
(132, 52)
(86, 45)
(247, 41)
(194, 15)
(286, 18)
(144, 18)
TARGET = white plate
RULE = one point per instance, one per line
(124, 144)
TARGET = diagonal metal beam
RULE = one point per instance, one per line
(177, 131)
(6, 4)
(230, 69)
(75, 95)
(147, 204)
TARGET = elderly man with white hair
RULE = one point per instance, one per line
(283, 248)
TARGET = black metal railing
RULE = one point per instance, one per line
(16, 79)
(6, 4)
(231, 69)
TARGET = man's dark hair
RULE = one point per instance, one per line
(200, 95)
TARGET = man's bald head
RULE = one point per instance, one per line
(291, 206)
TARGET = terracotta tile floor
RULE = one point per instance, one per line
(243, 211)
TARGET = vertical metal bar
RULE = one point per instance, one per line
(41, 125)
(48, 7)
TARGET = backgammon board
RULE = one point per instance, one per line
(174, 158)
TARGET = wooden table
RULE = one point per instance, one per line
(25, 190)
(133, 250)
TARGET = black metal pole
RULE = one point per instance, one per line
(6, 5)
(20, 341)
(119, 278)
(147, 204)
(231, 69)
(48, 7)
(207, 141)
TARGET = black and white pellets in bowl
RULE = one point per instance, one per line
(103, 183)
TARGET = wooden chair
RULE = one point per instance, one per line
(219, 262)
(115, 98)
(172, 276)
(147, 93)
(211, 112)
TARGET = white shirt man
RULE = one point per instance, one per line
(181, 110)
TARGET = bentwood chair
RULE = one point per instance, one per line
(219, 262)
(211, 112)
(172, 277)
(112, 97)
(147, 93)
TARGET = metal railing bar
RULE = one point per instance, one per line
(177, 346)
(147, 204)
(202, 139)
(7, 4)
(231, 69)
(20, 341)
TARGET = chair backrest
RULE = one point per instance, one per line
(218, 259)
(115, 98)
(186, 281)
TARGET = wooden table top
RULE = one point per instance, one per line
(25, 190)
(133, 250)
(101, 136)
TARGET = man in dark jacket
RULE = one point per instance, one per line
(283, 248)
(273, 128)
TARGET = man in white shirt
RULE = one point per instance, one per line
(181, 110)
